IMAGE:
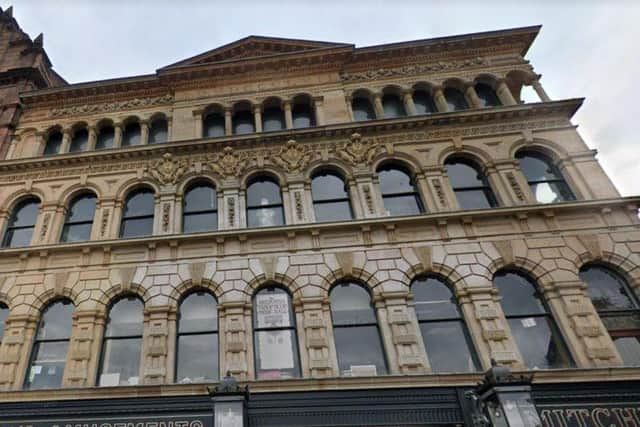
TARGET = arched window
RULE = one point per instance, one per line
(273, 119)
(21, 223)
(487, 95)
(362, 109)
(122, 344)
(470, 184)
(54, 142)
(618, 308)
(455, 99)
(105, 137)
(303, 115)
(393, 106)
(158, 131)
(80, 140)
(443, 329)
(137, 215)
(355, 328)
(197, 341)
(79, 219)
(200, 208)
(4, 312)
(264, 203)
(330, 197)
(243, 122)
(131, 134)
(398, 190)
(274, 335)
(49, 353)
(532, 326)
(213, 125)
(544, 178)
(424, 102)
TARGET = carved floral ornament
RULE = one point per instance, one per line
(109, 107)
(358, 151)
(168, 170)
(293, 157)
(228, 163)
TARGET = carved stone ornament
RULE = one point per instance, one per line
(166, 216)
(292, 157)
(228, 163)
(299, 211)
(515, 186)
(368, 198)
(112, 106)
(104, 223)
(358, 151)
(437, 186)
(167, 170)
(410, 70)
(45, 225)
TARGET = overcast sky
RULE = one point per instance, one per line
(585, 49)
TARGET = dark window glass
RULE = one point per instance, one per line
(398, 191)
(106, 136)
(618, 308)
(50, 347)
(21, 224)
(424, 102)
(362, 110)
(272, 119)
(79, 219)
(131, 134)
(393, 106)
(137, 216)
(197, 358)
(264, 203)
(444, 332)
(487, 95)
(532, 326)
(455, 99)
(470, 185)
(274, 335)
(4, 312)
(303, 116)
(330, 197)
(200, 209)
(54, 142)
(355, 327)
(122, 344)
(213, 125)
(158, 131)
(544, 178)
(80, 141)
(243, 123)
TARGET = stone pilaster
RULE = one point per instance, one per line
(515, 183)
(228, 121)
(317, 353)
(42, 231)
(197, 120)
(349, 100)
(104, 224)
(66, 141)
(318, 105)
(440, 188)
(117, 135)
(257, 117)
(144, 132)
(231, 210)
(165, 212)
(158, 345)
(85, 345)
(236, 349)
(93, 138)
(15, 349)
(299, 204)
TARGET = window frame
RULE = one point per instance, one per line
(209, 124)
(100, 131)
(125, 218)
(493, 103)
(57, 132)
(9, 228)
(153, 123)
(346, 199)
(126, 138)
(185, 213)
(74, 138)
(371, 111)
(486, 188)
(68, 223)
(274, 206)
(412, 181)
(391, 98)
(560, 180)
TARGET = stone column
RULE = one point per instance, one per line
(42, 231)
(288, 114)
(197, 119)
(105, 224)
(542, 94)
(318, 105)
(317, 355)
(350, 108)
(85, 345)
(93, 138)
(236, 349)
(409, 106)
(298, 201)
(169, 128)
(504, 93)
(57, 224)
(357, 204)
(370, 198)
(158, 359)
(144, 132)
(19, 331)
(13, 145)
(439, 189)
(165, 221)
(498, 187)
(231, 210)
(377, 105)
(472, 96)
(117, 135)
(424, 193)
(228, 121)
(440, 100)
(66, 141)
(515, 183)
(257, 117)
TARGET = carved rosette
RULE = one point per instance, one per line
(168, 170)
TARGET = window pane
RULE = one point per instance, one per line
(303, 116)
(362, 110)
(273, 309)
(455, 99)
(424, 102)
(125, 318)
(105, 138)
(158, 132)
(265, 217)
(263, 192)
(272, 119)
(121, 362)
(25, 213)
(433, 299)
(327, 186)
(394, 180)
(360, 349)
(629, 349)
(80, 141)
(47, 367)
(17, 238)
(197, 358)
(401, 205)
(137, 227)
(198, 313)
(76, 232)
(518, 293)
(540, 347)
(194, 223)
(4, 312)
(351, 305)
(333, 211)
(276, 354)
(487, 95)
(393, 106)
(243, 123)
(54, 141)
(200, 197)
(82, 208)
(56, 321)
(551, 192)
(131, 134)
(213, 125)
(463, 175)
(139, 203)
(608, 291)
(448, 346)
(536, 167)
(473, 199)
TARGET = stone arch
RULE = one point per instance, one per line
(620, 264)
(356, 272)
(14, 198)
(393, 89)
(363, 92)
(272, 101)
(77, 189)
(551, 149)
(133, 184)
(516, 79)
(192, 177)
(488, 78)
(542, 277)
(341, 167)
(404, 160)
(282, 280)
(243, 105)
(117, 291)
(187, 287)
(133, 118)
(475, 154)
(270, 171)
(456, 83)
(51, 129)
(50, 296)
(424, 85)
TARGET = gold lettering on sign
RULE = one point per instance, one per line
(591, 417)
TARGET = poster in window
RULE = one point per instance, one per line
(272, 310)
(275, 350)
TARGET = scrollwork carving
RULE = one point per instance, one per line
(515, 186)
(166, 216)
(358, 151)
(168, 170)
(112, 106)
(411, 70)
(228, 163)
(293, 157)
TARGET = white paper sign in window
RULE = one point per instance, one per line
(275, 350)
(273, 310)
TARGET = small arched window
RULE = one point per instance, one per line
(137, 215)
(362, 109)
(487, 95)
(213, 125)
(105, 138)
(398, 190)
(4, 312)
(158, 131)
(264, 203)
(330, 197)
(355, 328)
(53, 144)
(21, 223)
(531, 324)
(544, 178)
(393, 106)
(273, 119)
(455, 99)
(470, 185)
(197, 341)
(303, 115)
(200, 208)
(80, 140)
(444, 332)
(243, 122)
(49, 354)
(79, 219)
(618, 308)
(131, 134)
(424, 102)
(274, 335)
(122, 344)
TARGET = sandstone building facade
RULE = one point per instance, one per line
(324, 222)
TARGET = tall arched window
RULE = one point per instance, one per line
(53, 144)
(330, 197)
(470, 184)
(444, 332)
(213, 125)
(79, 219)
(532, 326)
(200, 208)
(393, 106)
(243, 121)
(264, 203)
(21, 223)
(122, 344)
(355, 328)
(398, 190)
(137, 214)
(131, 134)
(105, 138)
(274, 335)
(618, 308)
(487, 96)
(362, 109)
(544, 178)
(302, 113)
(49, 353)
(4, 312)
(455, 99)
(80, 140)
(273, 118)
(197, 341)
(158, 131)
(424, 102)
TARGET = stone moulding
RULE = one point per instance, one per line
(109, 107)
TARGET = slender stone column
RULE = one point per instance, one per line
(257, 117)
(197, 119)
(377, 105)
(542, 94)
(318, 104)
(228, 121)
(504, 93)
(93, 137)
(440, 100)
(144, 132)
(169, 128)
(409, 106)
(288, 114)
(117, 135)
(472, 96)
(66, 141)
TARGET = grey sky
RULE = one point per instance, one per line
(585, 49)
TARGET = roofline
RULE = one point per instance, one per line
(95, 83)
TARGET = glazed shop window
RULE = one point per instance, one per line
(393, 106)
(264, 203)
(122, 344)
(330, 197)
(54, 143)
(487, 95)
(274, 335)
(455, 99)
(356, 333)
(137, 215)
(80, 141)
(106, 137)
(50, 347)
(469, 184)
(424, 102)
(158, 131)
(197, 342)
(546, 182)
(79, 219)
(200, 208)
(362, 109)
(21, 223)
(398, 191)
(213, 125)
